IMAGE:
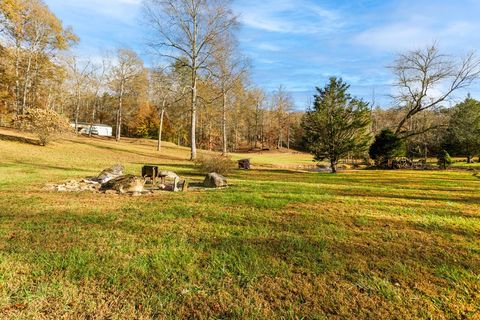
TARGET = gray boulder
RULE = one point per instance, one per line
(110, 173)
(215, 180)
(168, 174)
(125, 184)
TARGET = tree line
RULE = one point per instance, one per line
(197, 92)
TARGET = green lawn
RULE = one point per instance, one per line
(458, 162)
(277, 244)
(283, 160)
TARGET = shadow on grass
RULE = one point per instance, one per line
(142, 154)
(368, 194)
(14, 138)
(50, 167)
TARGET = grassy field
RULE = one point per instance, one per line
(277, 244)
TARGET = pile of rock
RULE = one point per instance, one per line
(110, 181)
(113, 181)
(74, 186)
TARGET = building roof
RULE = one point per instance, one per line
(83, 124)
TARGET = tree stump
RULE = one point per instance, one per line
(244, 164)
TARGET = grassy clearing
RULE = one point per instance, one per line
(458, 162)
(279, 159)
(277, 244)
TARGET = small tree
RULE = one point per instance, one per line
(464, 129)
(337, 125)
(46, 124)
(386, 147)
(444, 160)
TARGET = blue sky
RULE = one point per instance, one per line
(300, 43)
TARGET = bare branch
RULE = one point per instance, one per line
(422, 74)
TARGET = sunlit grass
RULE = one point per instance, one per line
(276, 244)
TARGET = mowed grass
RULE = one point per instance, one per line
(279, 159)
(277, 244)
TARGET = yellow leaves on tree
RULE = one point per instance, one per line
(46, 124)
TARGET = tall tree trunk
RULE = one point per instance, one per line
(333, 165)
(77, 111)
(256, 125)
(193, 139)
(262, 138)
(224, 124)
(119, 113)
(288, 136)
(425, 155)
(118, 124)
(469, 159)
(160, 128)
(94, 111)
(17, 80)
(25, 86)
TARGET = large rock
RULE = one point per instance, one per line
(125, 184)
(214, 180)
(168, 174)
(110, 173)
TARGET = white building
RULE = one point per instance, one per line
(102, 130)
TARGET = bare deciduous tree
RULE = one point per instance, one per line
(98, 84)
(228, 69)
(79, 75)
(259, 98)
(164, 89)
(426, 78)
(125, 73)
(282, 106)
(186, 31)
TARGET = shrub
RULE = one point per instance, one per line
(6, 119)
(444, 160)
(386, 147)
(214, 163)
(46, 124)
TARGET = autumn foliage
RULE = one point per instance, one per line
(46, 124)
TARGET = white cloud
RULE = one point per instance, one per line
(269, 47)
(285, 16)
(410, 25)
(411, 35)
